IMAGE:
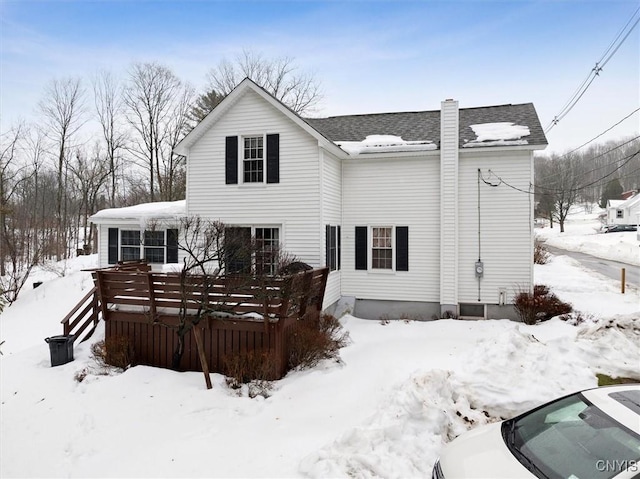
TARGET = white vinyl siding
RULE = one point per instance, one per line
(505, 226)
(393, 192)
(332, 215)
(294, 202)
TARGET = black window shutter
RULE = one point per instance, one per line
(327, 245)
(172, 246)
(402, 248)
(273, 158)
(339, 247)
(112, 246)
(231, 160)
(361, 247)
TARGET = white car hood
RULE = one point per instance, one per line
(481, 453)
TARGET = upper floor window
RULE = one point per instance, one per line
(619, 214)
(253, 159)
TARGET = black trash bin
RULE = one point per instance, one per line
(61, 349)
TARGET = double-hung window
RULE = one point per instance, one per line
(154, 246)
(382, 248)
(129, 245)
(253, 159)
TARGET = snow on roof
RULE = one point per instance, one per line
(498, 134)
(384, 144)
(615, 203)
(629, 202)
(143, 212)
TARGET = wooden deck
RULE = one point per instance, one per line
(234, 315)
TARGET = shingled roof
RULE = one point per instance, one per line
(425, 125)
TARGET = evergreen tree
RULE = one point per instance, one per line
(613, 191)
(203, 106)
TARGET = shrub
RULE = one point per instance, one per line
(115, 351)
(540, 306)
(576, 318)
(311, 341)
(255, 368)
(540, 253)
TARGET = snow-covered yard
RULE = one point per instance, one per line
(401, 390)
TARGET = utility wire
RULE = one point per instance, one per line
(595, 71)
(599, 135)
(625, 161)
(591, 159)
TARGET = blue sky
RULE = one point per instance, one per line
(370, 56)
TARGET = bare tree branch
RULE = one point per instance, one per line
(280, 76)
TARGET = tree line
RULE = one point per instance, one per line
(105, 142)
(590, 176)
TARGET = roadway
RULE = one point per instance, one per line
(606, 267)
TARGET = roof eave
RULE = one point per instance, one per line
(504, 147)
(187, 142)
(395, 154)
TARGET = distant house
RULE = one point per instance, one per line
(417, 214)
(623, 212)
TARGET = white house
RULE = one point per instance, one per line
(623, 212)
(417, 214)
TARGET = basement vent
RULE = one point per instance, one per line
(472, 310)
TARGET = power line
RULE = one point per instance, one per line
(598, 136)
(625, 161)
(595, 71)
(593, 158)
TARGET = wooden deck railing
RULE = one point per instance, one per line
(84, 314)
(235, 314)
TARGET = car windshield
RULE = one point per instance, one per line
(571, 438)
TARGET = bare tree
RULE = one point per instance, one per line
(110, 109)
(63, 110)
(9, 172)
(172, 180)
(280, 76)
(562, 185)
(90, 175)
(19, 243)
(157, 106)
